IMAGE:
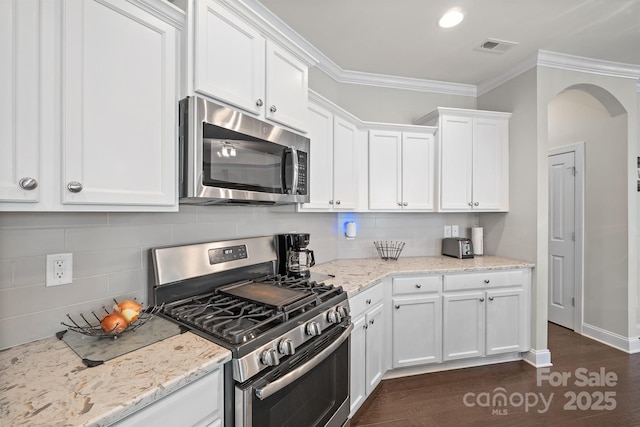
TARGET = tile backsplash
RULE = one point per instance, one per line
(111, 252)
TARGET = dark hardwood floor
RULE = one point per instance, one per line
(587, 399)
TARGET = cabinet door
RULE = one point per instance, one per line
(490, 164)
(418, 171)
(229, 58)
(358, 363)
(505, 321)
(374, 353)
(344, 165)
(286, 88)
(119, 105)
(463, 325)
(417, 331)
(456, 137)
(19, 100)
(384, 170)
(320, 127)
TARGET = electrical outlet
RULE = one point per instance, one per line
(59, 269)
(447, 231)
(454, 231)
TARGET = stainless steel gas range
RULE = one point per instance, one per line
(289, 337)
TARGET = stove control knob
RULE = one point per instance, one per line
(333, 316)
(313, 329)
(269, 357)
(343, 311)
(286, 347)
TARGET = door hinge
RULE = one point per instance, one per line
(574, 171)
(573, 236)
(573, 302)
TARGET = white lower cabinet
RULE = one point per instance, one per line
(367, 344)
(484, 314)
(198, 404)
(417, 321)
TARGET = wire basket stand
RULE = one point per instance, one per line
(389, 250)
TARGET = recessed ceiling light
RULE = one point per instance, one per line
(452, 18)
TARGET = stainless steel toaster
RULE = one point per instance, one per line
(457, 247)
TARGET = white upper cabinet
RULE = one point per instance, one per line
(333, 163)
(91, 105)
(401, 170)
(237, 64)
(473, 161)
(119, 96)
(20, 138)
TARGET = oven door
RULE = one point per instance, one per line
(310, 388)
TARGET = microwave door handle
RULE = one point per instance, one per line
(272, 388)
(294, 181)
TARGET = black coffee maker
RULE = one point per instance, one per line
(294, 259)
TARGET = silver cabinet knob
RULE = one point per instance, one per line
(330, 202)
(269, 357)
(28, 183)
(487, 281)
(372, 321)
(481, 299)
(405, 204)
(418, 285)
(476, 204)
(399, 203)
(273, 109)
(470, 204)
(313, 329)
(490, 298)
(368, 301)
(259, 103)
(286, 347)
(74, 187)
(337, 202)
(397, 307)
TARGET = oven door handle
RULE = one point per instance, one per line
(274, 387)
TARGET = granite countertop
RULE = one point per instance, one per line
(44, 383)
(356, 275)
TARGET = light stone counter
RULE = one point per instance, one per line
(356, 275)
(44, 383)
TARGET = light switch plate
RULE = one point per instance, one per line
(447, 231)
(454, 231)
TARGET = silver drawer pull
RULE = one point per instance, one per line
(397, 307)
(368, 301)
(487, 281)
(490, 298)
(28, 183)
(481, 299)
(74, 186)
(418, 285)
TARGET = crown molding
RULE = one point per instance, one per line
(521, 67)
(587, 65)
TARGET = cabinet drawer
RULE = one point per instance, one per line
(453, 282)
(365, 300)
(416, 284)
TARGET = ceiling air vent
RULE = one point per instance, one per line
(495, 46)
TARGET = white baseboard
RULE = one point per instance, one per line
(628, 345)
(538, 358)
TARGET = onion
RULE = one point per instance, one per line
(113, 323)
(130, 309)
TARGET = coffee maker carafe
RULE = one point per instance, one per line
(294, 259)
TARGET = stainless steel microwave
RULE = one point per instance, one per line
(230, 157)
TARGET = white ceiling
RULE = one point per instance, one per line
(401, 37)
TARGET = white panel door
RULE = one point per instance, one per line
(286, 88)
(561, 239)
(19, 100)
(384, 170)
(463, 325)
(119, 100)
(417, 331)
(456, 162)
(375, 345)
(345, 184)
(229, 58)
(357, 362)
(418, 171)
(505, 321)
(320, 127)
(490, 158)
